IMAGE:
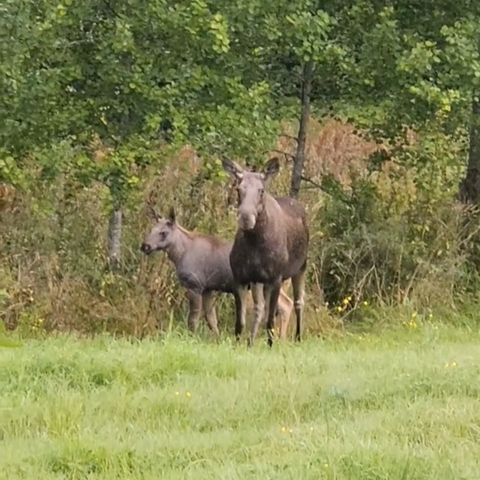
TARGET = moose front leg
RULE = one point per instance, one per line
(271, 292)
(258, 310)
(240, 294)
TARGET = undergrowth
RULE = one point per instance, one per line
(384, 234)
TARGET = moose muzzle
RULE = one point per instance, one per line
(146, 248)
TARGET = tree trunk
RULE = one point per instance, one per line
(469, 188)
(115, 239)
(298, 162)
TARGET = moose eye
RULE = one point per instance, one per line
(162, 235)
(262, 192)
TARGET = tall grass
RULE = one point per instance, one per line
(387, 235)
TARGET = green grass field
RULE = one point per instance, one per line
(400, 405)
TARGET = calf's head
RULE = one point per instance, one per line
(162, 235)
(251, 187)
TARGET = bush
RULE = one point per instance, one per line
(389, 234)
(396, 234)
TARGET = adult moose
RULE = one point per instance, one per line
(270, 245)
(202, 265)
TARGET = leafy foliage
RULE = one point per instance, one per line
(99, 97)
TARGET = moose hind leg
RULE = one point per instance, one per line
(208, 299)
(298, 284)
(240, 309)
(258, 309)
(194, 310)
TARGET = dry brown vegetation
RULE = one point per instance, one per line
(333, 148)
(54, 271)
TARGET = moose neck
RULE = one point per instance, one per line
(177, 250)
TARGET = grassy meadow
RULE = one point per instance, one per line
(109, 111)
(402, 404)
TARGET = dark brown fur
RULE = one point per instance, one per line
(203, 267)
(271, 244)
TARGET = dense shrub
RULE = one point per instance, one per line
(385, 234)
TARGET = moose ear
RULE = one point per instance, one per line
(152, 213)
(171, 216)
(272, 167)
(231, 167)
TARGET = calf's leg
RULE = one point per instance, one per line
(298, 284)
(284, 309)
(208, 299)
(194, 310)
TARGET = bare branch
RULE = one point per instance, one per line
(312, 182)
(291, 137)
(287, 154)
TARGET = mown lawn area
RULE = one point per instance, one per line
(400, 405)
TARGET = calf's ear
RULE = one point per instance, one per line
(153, 214)
(171, 216)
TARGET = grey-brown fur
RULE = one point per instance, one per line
(202, 265)
(271, 244)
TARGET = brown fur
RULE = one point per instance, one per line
(202, 266)
(270, 246)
